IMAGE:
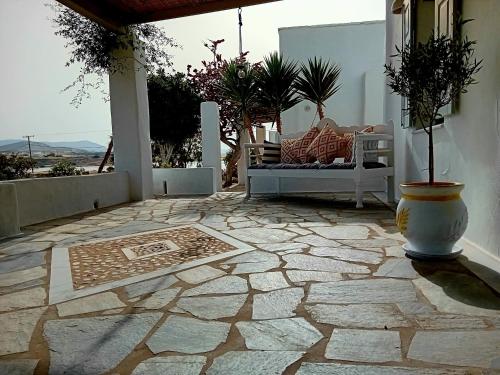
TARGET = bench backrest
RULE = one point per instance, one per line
(378, 129)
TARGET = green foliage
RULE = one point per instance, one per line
(174, 117)
(238, 84)
(317, 82)
(275, 82)
(91, 44)
(66, 168)
(433, 74)
(14, 166)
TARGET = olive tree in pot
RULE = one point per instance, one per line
(432, 75)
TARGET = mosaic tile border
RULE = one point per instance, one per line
(61, 283)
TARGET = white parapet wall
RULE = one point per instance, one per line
(43, 199)
(184, 181)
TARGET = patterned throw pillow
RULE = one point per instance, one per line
(326, 146)
(271, 155)
(350, 153)
(288, 155)
(300, 145)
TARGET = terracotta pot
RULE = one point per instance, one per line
(432, 218)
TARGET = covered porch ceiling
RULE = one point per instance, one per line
(116, 13)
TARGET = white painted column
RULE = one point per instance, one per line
(130, 123)
(210, 137)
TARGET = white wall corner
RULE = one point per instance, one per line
(481, 262)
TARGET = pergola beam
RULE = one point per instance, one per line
(114, 14)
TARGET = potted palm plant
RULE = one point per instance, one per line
(317, 82)
(275, 82)
(432, 75)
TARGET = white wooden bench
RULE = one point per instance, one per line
(361, 173)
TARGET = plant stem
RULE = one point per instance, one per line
(320, 111)
(431, 155)
(278, 123)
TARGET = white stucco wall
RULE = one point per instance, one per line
(358, 48)
(467, 147)
(42, 199)
(184, 181)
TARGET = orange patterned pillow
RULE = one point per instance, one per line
(288, 155)
(327, 146)
(300, 145)
(349, 156)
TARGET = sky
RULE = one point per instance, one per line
(33, 71)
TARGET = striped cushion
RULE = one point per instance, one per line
(327, 146)
(271, 155)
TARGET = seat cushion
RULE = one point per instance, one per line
(367, 165)
(327, 146)
(287, 152)
(301, 144)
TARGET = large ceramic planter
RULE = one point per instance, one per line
(432, 218)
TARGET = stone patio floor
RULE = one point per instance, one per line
(327, 290)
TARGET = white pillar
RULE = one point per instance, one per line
(210, 137)
(130, 123)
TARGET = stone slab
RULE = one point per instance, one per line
(253, 363)
(364, 346)
(349, 255)
(398, 268)
(17, 328)
(20, 300)
(22, 276)
(296, 276)
(468, 348)
(363, 291)
(252, 257)
(344, 369)
(25, 247)
(458, 293)
(18, 366)
(450, 321)
(342, 232)
(283, 246)
(188, 335)
(172, 365)
(314, 240)
(268, 281)
(213, 307)
(159, 299)
(279, 334)
(21, 262)
(149, 286)
(313, 263)
(222, 285)
(262, 235)
(89, 346)
(199, 274)
(97, 302)
(358, 316)
(370, 243)
(276, 304)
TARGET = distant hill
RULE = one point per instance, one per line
(65, 148)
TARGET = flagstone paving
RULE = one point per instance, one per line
(320, 289)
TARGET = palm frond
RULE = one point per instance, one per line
(318, 80)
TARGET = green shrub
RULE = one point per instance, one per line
(66, 168)
(13, 167)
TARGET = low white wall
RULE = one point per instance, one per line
(42, 199)
(184, 181)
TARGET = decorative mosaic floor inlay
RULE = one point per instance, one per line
(109, 260)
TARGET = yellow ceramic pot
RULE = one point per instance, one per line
(432, 218)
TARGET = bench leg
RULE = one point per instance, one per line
(359, 197)
(248, 188)
(278, 186)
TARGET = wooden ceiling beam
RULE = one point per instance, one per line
(96, 13)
